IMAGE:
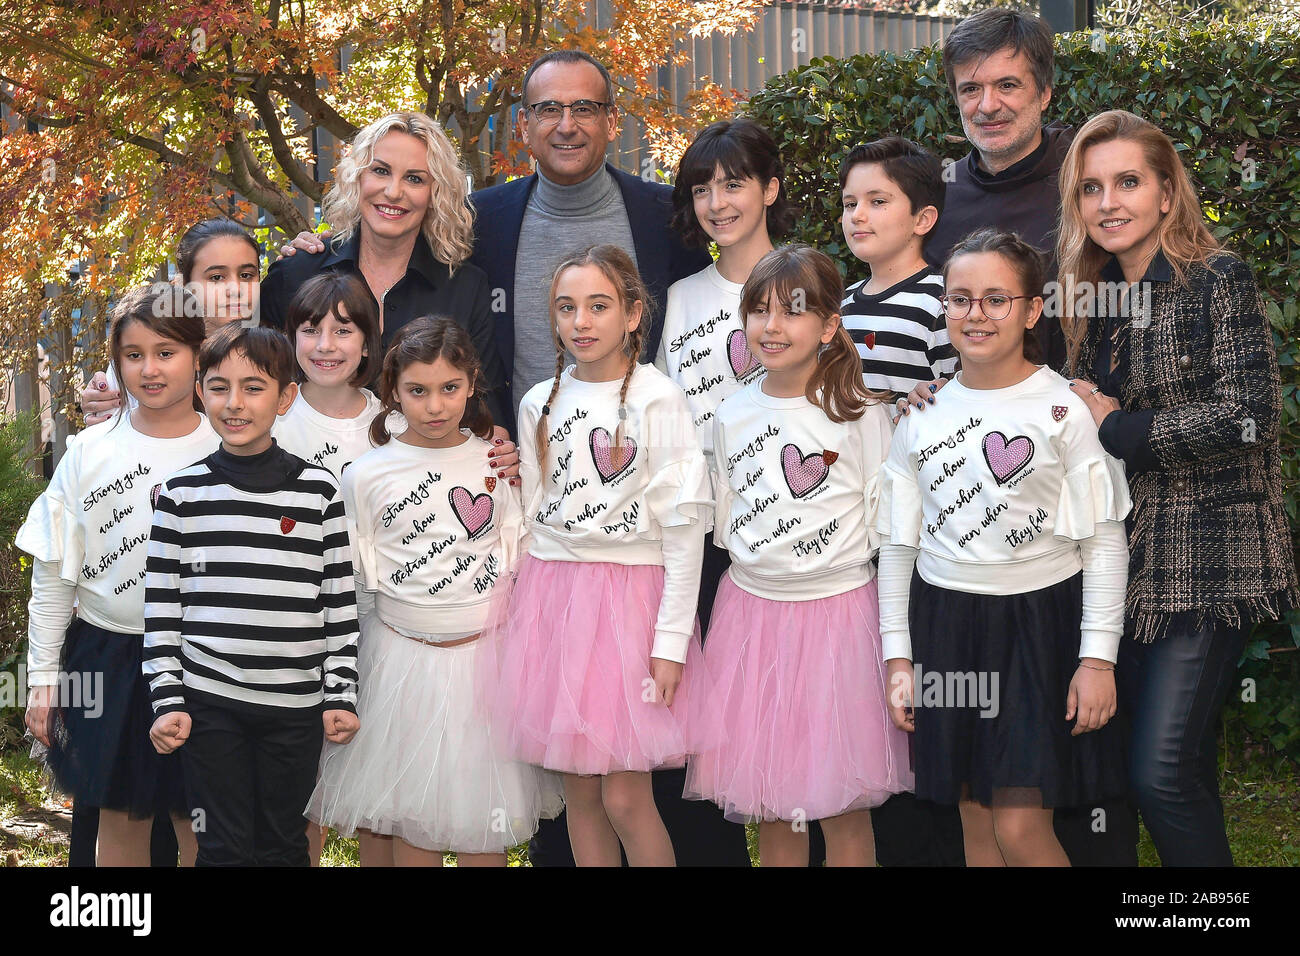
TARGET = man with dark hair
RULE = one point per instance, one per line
(523, 229)
(999, 66)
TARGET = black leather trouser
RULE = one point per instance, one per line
(1173, 690)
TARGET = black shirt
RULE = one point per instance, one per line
(428, 288)
(1124, 434)
(1024, 198)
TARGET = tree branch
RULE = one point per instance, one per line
(280, 148)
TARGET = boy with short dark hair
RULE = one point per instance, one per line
(893, 192)
(250, 614)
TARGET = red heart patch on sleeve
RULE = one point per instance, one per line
(830, 457)
(869, 340)
(286, 525)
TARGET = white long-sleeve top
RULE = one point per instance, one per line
(703, 348)
(88, 533)
(1004, 491)
(318, 439)
(797, 494)
(650, 506)
(433, 529)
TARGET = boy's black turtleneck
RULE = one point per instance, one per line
(264, 471)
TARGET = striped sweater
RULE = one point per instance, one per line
(249, 599)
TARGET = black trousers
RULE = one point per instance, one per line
(1175, 688)
(248, 778)
(701, 835)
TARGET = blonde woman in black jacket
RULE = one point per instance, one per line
(1174, 356)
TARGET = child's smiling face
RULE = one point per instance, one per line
(731, 208)
(157, 372)
(978, 338)
(242, 402)
(330, 352)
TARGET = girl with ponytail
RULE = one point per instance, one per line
(794, 641)
(433, 530)
(602, 675)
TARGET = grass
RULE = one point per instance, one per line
(1260, 789)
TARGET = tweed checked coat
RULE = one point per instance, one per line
(1209, 537)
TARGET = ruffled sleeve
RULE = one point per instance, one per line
(365, 562)
(1093, 491)
(678, 494)
(512, 528)
(898, 511)
(53, 534)
(875, 433)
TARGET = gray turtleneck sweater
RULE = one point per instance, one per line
(558, 222)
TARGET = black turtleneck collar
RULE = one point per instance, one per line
(1017, 169)
(265, 471)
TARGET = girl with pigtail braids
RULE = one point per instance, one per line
(602, 677)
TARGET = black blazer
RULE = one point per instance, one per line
(428, 288)
(1198, 429)
(660, 255)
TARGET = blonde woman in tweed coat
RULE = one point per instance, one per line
(1180, 373)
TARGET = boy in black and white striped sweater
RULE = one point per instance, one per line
(250, 614)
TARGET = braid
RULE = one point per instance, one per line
(633, 349)
(541, 438)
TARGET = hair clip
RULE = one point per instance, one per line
(546, 409)
(622, 413)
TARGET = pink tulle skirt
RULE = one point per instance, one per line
(573, 689)
(801, 692)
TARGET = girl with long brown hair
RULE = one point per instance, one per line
(88, 535)
(794, 641)
(433, 532)
(602, 676)
(1171, 329)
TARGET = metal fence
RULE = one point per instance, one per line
(786, 35)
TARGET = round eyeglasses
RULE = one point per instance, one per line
(995, 305)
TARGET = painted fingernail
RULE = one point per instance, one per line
(919, 405)
(102, 385)
(930, 400)
(934, 388)
(501, 474)
(498, 441)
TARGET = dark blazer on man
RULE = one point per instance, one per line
(660, 255)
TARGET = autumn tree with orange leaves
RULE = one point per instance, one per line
(130, 121)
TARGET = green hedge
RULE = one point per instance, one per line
(1213, 90)
(18, 489)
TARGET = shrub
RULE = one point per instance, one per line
(18, 489)
(1228, 95)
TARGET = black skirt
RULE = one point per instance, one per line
(992, 674)
(100, 752)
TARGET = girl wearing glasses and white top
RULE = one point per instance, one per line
(1004, 560)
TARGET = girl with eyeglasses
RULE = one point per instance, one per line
(1002, 572)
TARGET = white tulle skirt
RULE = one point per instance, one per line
(424, 766)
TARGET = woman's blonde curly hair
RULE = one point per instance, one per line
(449, 221)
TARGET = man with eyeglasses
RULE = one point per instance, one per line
(523, 230)
(575, 199)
